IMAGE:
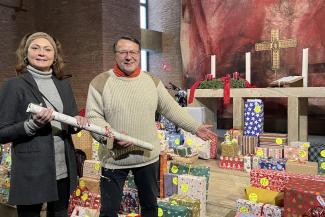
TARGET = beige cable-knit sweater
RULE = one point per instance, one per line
(129, 105)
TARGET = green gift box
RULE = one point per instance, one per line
(192, 204)
(171, 210)
(183, 151)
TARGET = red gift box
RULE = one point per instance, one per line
(233, 163)
(213, 148)
(302, 195)
(269, 179)
(84, 198)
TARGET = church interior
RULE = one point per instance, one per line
(250, 69)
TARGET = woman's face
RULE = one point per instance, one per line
(40, 54)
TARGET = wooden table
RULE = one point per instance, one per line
(297, 105)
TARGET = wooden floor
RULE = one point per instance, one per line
(225, 187)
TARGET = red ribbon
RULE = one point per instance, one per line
(192, 91)
(82, 112)
(226, 89)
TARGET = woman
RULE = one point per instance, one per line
(43, 159)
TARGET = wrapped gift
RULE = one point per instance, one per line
(192, 204)
(272, 164)
(273, 139)
(84, 198)
(205, 149)
(269, 179)
(293, 153)
(301, 195)
(235, 133)
(179, 168)
(95, 147)
(84, 212)
(308, 168)
(272, 211)
(261, 152)
(229, 148)
(130, 201)
(248, 207)
(195, 187)
(255, 162)
(183, 151)
(92, 169)
(321, 165)
(166, 209)
(247, 144)
(130, 181)
(163, 169)
(167, 125)
(253, 117)
(83, 141)
(234, 163)
(133, 215)
(170, 184)
(261, 195)
(175, 139)
(315, 151)
(275, 152)
(213, 147)
(91, 184)
(248, 163)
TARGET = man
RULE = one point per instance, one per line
(126, 99)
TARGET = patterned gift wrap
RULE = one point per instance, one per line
(321, 165)
(261, 152)
(95, 148)
(5, 172)
(275, 152)
(174, 139)
(248, 163)
(272, 164)
(296, 153)
(273, 139)
(255, 160)
(162, 170)
(130, 201)
(248, 207)
(247, 144)
(91, 184)
(183, 151)
(195, 187)
(229, 149)
(179, 168)
(315, 151)
(84, 212)
(206, 149)
(213, 147)
(272, 211)
(233, 163)
(170, 184)
(269, 179)
(253, 117)
(192, 204)
(166, 209)
(234, 133)
(307, 168)
(300, 195)
(130, 181)
(84, 198)
(92, 169)
(167, 125)
(83, 141)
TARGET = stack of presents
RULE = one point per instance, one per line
(5, 164)
(286, 177)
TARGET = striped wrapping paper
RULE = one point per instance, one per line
(269, 151)
(247, 144)
(273, 139)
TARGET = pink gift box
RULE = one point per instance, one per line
(233, 163)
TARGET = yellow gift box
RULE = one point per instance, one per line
(260, 195)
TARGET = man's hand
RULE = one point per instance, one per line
(43, 117)
(125, 144)
(205, 133)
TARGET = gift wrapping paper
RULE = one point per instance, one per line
(247, 144)
(174, 139)
(133, 215)
(229, 149)
(273, 139)
(92, 169)
(261, 152)
(255, 162)
(248, 207)
(167, 125)
(95, 148)
(253, 117)
(170, 184)
(266, 196)
(84, 212)
(275, 152)
(91, 184)
(195, 187)
(272, 164)
(321, 165)
(269, 179)
(315, 151)
(248, 163)
(206, 149)
(166, 209)
(179, 168)
(234, 133)
(191, 203)
(130, 181)
(307, 168)
(162, 170)
(272, 211)
(84, 198)
(130, 201)
(301, 194)
(233, 163)
(213, 147)
(293, 153)
(183, 151)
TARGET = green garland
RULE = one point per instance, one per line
(218, 84)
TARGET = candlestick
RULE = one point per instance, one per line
(304, 69)
(248, 67)
(213, 65)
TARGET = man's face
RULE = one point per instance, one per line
(127, 56)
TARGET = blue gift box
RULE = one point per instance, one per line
(272, 164)
(253, 117)
(175, 139)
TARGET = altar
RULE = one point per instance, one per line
(297, 105)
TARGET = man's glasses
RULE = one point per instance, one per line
(124, 53)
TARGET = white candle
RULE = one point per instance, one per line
(304, 69)
(248, 67)
(213, 65)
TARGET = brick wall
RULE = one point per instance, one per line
(164, 16)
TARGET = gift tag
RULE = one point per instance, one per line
(322, 166)
(84, 197)
(160, 212)
(79, 134)
(96, 146)
(82, 184)
(305, 145)
(78, 192)
(302, 153)
(257, 109)
(264, 182)
(189, 142)
(243, 209)
(259, 153)
(97, 166)
(278, 141)
(174, 202)
(322, 153)
(175, 180)
(177, 142)
(252, 197)
(184, 188)
(174, 169)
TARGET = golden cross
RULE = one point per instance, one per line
(275, 45)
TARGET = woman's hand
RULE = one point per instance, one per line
(43, 117)
(82, 121)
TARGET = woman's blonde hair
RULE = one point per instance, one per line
(22, 50)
